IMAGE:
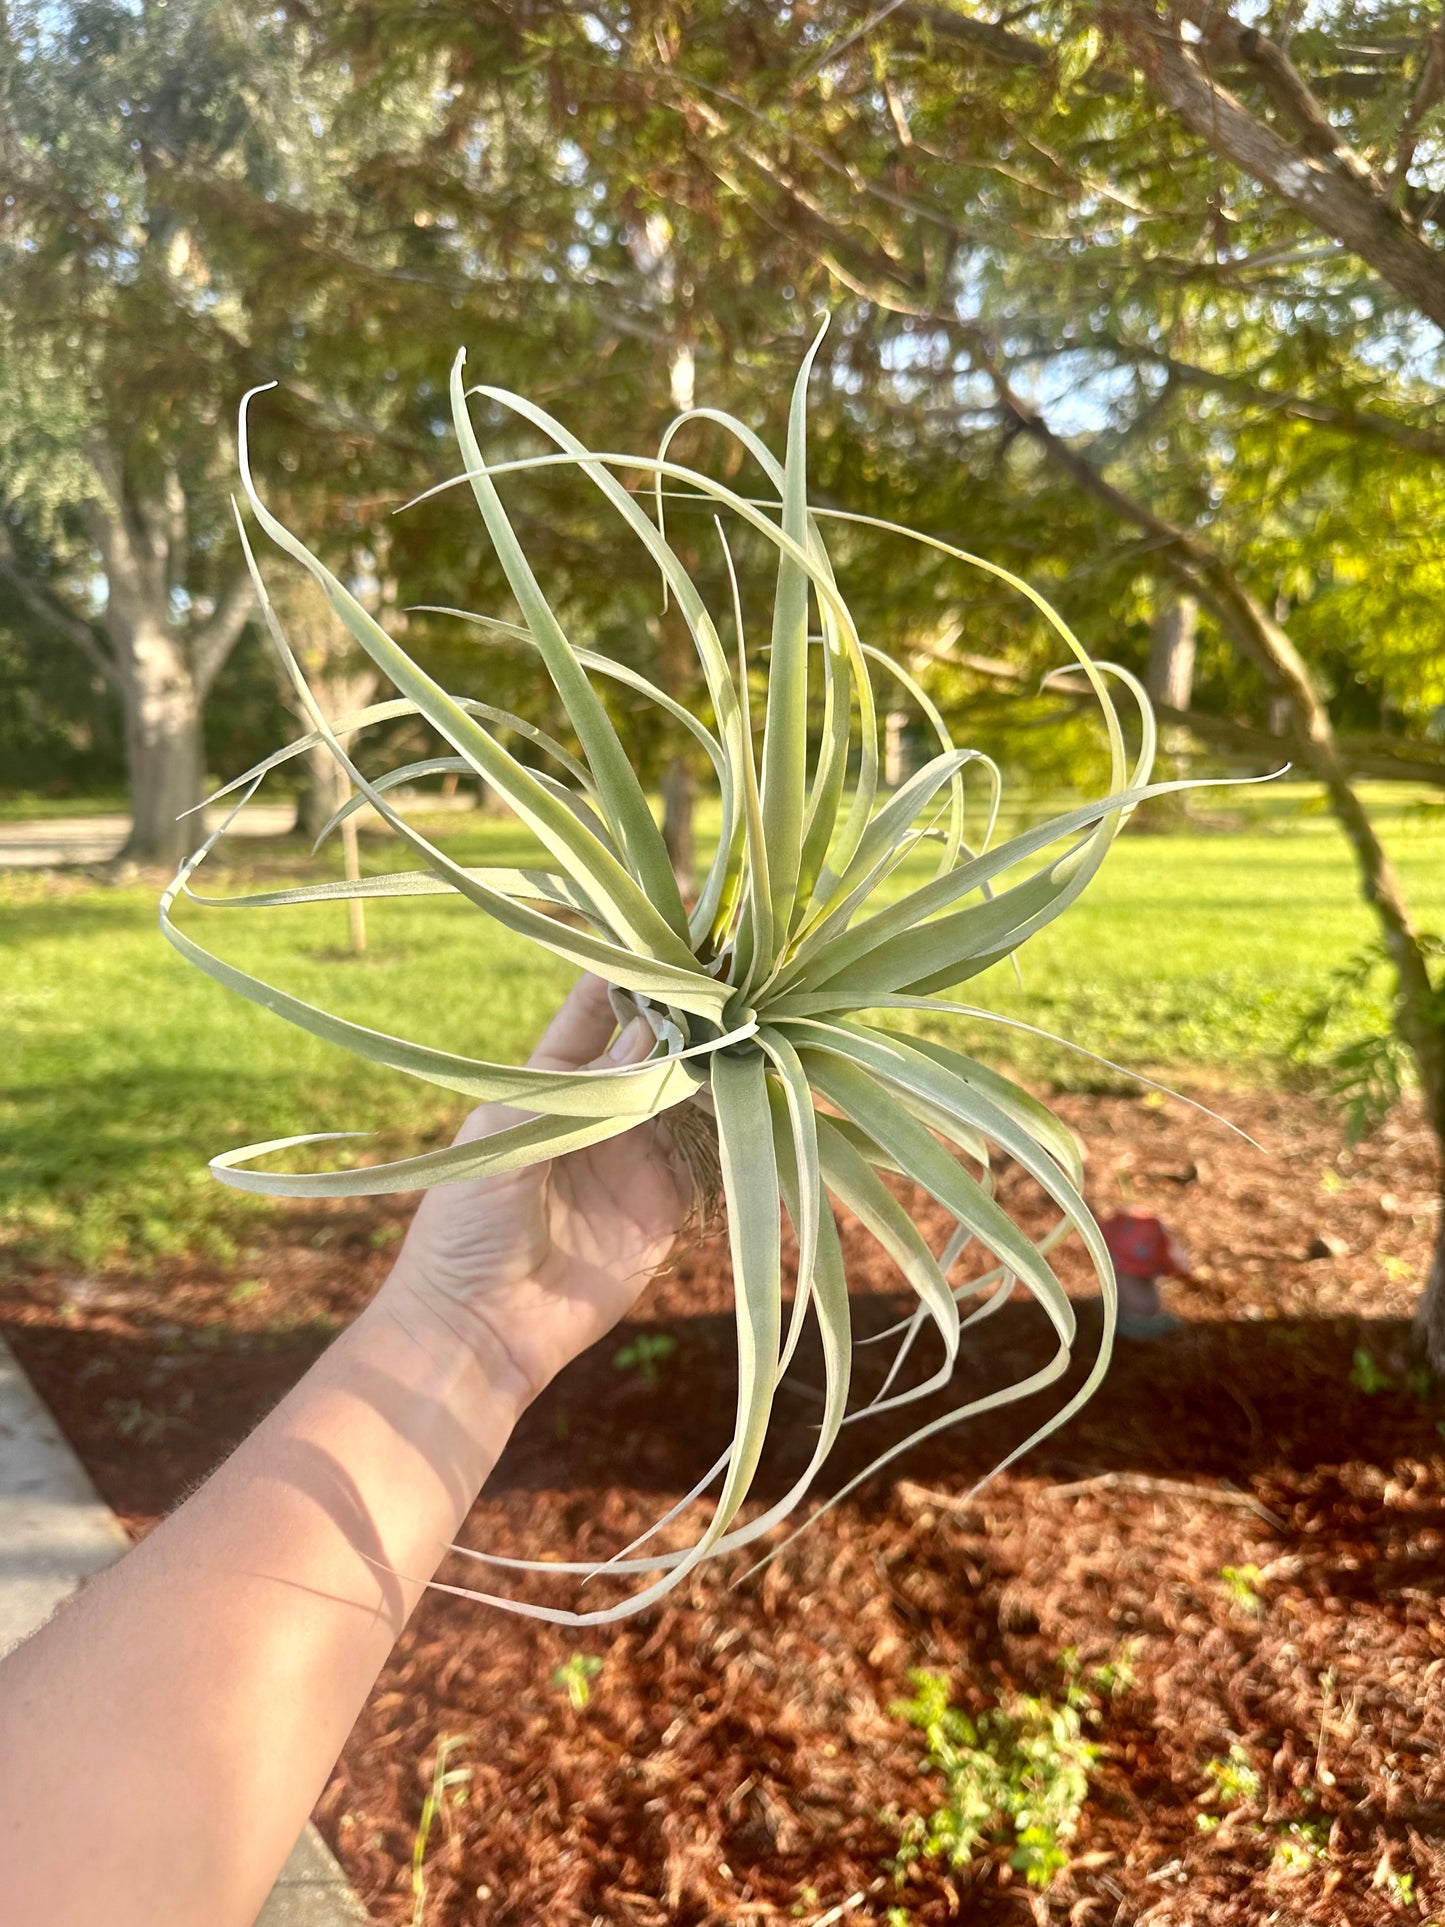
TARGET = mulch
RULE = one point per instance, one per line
(1255, 1530)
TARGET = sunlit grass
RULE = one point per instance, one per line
(1195, 952)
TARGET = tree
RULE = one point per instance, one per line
(1182, 269)
(188, 214)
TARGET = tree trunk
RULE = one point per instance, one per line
(895, 748)
(1170, 676)
(340, 687)
(1260, 638)
(164, 749)
(162, 673)
(1322, 178)
(679, 791)
(324, 788)
(1429, 1328)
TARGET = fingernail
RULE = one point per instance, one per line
(632, 1043)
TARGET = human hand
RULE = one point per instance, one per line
(537, 1264)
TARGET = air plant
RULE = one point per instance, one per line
(762, 993)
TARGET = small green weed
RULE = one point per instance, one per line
(447, 1783)
(1366, 1376)
(1298, 1848)
(1019, 1771)
(1233, 1781)
(133, 1419)
(245, 1290)
(1398, 1887)
(574, 1677)
(643, 1356)
(1113, 1678)
(1242, 1583)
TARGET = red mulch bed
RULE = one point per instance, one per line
(737, 1760)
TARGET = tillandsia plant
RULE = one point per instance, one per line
(760, 992)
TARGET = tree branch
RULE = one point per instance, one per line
(218, 636)
(1429, 88)
(49, 609)
(996, 43)
(1282, 81)
(1330, 195)
(1327, 414)
(1264, 642)
(1377, 756)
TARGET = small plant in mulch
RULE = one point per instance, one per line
(1242, 1584)
(643, 1356)
(574, 1677)
(1398, 1888)
(1367, 1375)
(1017, 1774)
(145, 1424)
(1232, 1783)
(448, 1788)
(1299, 1847)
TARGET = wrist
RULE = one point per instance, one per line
(458, 1336)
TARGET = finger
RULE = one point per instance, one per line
(580, 1030)
(635, 1042)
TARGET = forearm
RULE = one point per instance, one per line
(267, 1605)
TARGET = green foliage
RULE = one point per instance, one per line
(574, 1677)
(1400, 1887)
(1299, 1847)
(134, 1420)
(1368, 1072)
(1366, 1375)
(58, 726)
(1111, 1679)
(644, 1354)
(1242, 1585)
(448, 1788)
(1017, 1773)
(1233, 1782)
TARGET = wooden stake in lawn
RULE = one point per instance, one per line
(763, 991)
(351, 859)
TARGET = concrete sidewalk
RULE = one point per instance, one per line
(55, 1532)
(52, 842)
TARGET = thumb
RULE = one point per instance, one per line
(632, 1043)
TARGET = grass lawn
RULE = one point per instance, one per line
(27, 807)
(124, 1068)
